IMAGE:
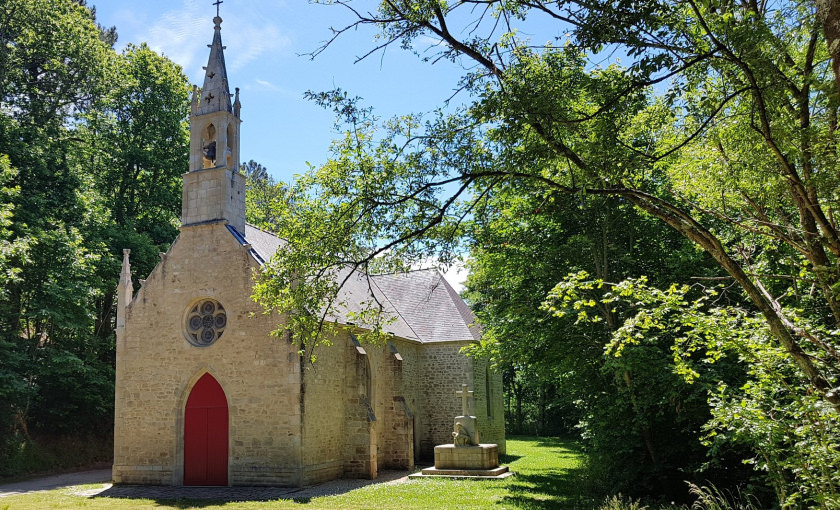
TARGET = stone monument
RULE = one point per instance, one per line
(466, 456)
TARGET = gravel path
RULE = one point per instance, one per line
(55, 482)
(174, 493)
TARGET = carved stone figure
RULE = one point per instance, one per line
(460, 436)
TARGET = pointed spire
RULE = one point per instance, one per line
(237, 106)
(215, 94)
(125, 293)
(125, 272)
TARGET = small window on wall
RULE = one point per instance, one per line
(488, 390)
(364, 376)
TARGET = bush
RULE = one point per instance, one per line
(20, 456)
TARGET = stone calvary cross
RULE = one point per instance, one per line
(464, 394)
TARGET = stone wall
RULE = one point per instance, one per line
(396, 447)
(214, 194)
(443, 370)
(157, 366)
(360, 413)
(323, 413)
(406, 402)
(489, 404)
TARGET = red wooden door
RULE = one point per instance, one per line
(206, 434)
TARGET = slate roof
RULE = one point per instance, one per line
(424, 306)
(435, 312)
(263, 243)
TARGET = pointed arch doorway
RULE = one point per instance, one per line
(206, 434)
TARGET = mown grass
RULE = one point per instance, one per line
(549, 477)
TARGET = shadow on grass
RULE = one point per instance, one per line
(200, 497)
(554, 488)
(549, 491)
(550, 479)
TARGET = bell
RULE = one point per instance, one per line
(210, 151)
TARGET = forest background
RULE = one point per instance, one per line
(652, 246)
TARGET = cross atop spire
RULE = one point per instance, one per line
(216, 3)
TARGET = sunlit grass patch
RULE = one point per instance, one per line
(548, 476)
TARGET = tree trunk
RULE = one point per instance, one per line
(105, 306)
(542, 406)
(780, 327)
(646, 435)
(828, 14)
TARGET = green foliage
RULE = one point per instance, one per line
(722, 125)
(93, 144)
(266, 201)
(10, 248)
(518, 252)
(53, 453)
(75, 396)
(771, 411)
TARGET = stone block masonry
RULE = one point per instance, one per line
(157, 366)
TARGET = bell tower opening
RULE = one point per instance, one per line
(208, 147)
(231, 140)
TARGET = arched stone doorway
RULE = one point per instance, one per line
(206, 434)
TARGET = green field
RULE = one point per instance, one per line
(548, 476)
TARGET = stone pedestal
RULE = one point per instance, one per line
(466, 457)
(467, 461)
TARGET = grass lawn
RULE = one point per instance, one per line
(548, 477)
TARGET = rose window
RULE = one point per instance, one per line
(206, 322)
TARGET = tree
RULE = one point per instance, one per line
(254, 171)
(743, 61)
(722, 126)
(266, 200)
(136, 148)
(53, 65)
(557, 364)
(755, 62)
(92, 146)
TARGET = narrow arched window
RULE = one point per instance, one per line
(488, 390)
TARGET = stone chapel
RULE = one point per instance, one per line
(205, 395)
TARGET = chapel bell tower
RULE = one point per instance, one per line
(214, 190)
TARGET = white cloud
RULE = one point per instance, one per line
(250, 41)
(267, 85)
(175, 34)
(182, 34)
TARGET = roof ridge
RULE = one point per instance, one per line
(397, 273)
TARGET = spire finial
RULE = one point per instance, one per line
(217, 3)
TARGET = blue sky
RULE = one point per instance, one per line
(266, 45)
(265, 42)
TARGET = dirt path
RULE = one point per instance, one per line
(340, 486)
(55, 482)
